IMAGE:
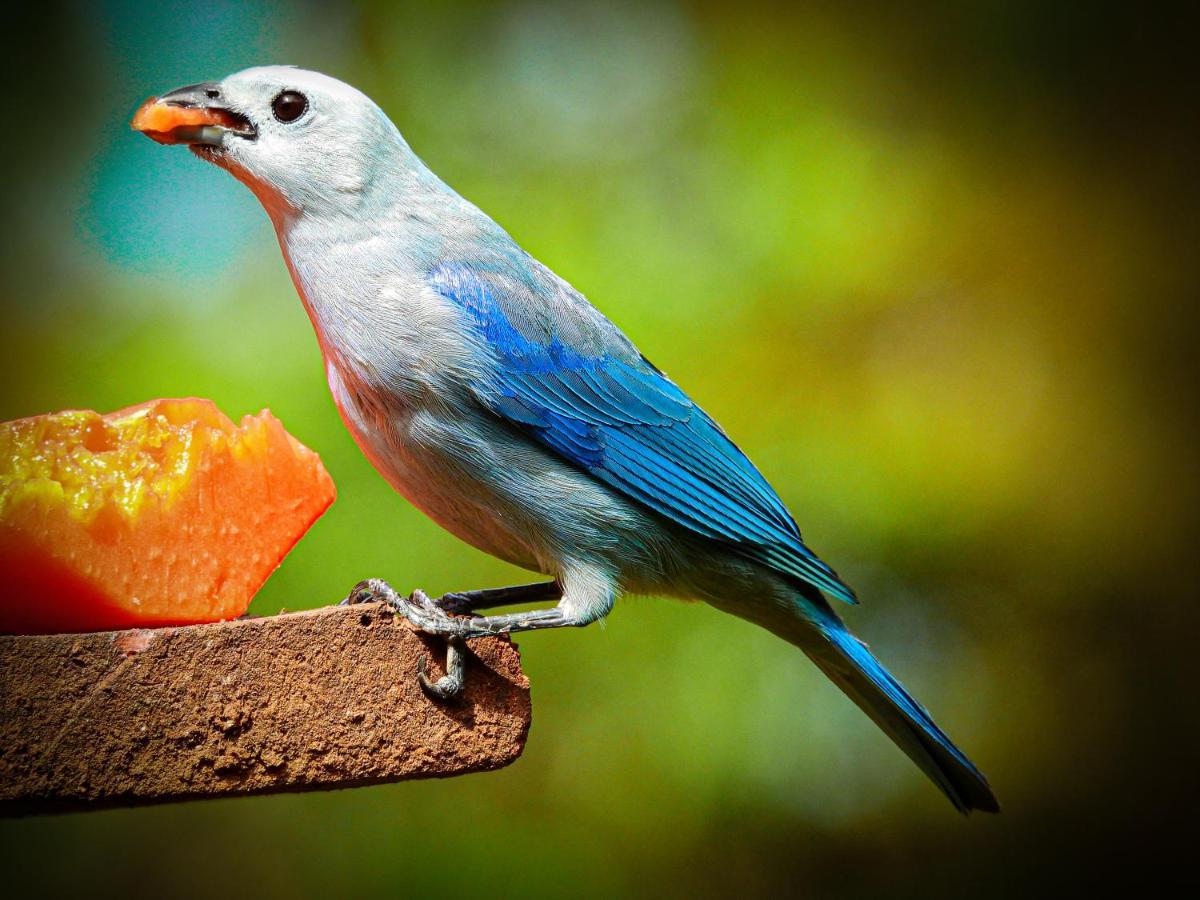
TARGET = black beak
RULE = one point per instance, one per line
(206, 95)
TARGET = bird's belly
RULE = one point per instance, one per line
(422, 456)
(464, 505)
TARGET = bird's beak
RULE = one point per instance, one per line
(194, 115)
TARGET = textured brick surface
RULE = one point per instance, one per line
(320, 699)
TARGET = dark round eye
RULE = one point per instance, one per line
(289, 106)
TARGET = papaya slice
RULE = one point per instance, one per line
(160, 514)
(170, 124)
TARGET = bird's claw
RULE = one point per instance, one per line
(451, 685)
(367, 591)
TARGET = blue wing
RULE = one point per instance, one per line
(568, 377)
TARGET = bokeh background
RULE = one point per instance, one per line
(933, 266)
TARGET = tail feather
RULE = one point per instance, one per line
(852, 667)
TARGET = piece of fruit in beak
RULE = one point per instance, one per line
(171, 124)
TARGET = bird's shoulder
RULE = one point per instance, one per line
(526, 312)
(556, 355)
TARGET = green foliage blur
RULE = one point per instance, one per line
(934, 268)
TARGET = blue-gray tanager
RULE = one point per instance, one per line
(500, 402)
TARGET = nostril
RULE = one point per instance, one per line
(212, 93)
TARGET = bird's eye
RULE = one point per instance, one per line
(289, 106)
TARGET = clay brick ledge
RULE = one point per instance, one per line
(312, 700)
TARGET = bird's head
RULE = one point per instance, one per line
(299, 139)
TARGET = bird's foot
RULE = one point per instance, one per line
(429, 618)
(432, 617)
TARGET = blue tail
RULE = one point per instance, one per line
(852, 667)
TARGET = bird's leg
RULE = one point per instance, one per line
(487, 598)
(427, 615)
(431, 618)
(435, 621)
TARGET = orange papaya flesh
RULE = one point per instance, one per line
(161, 514)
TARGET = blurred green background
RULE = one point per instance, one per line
(934, 269)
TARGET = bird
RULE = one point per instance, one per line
(499, 401)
